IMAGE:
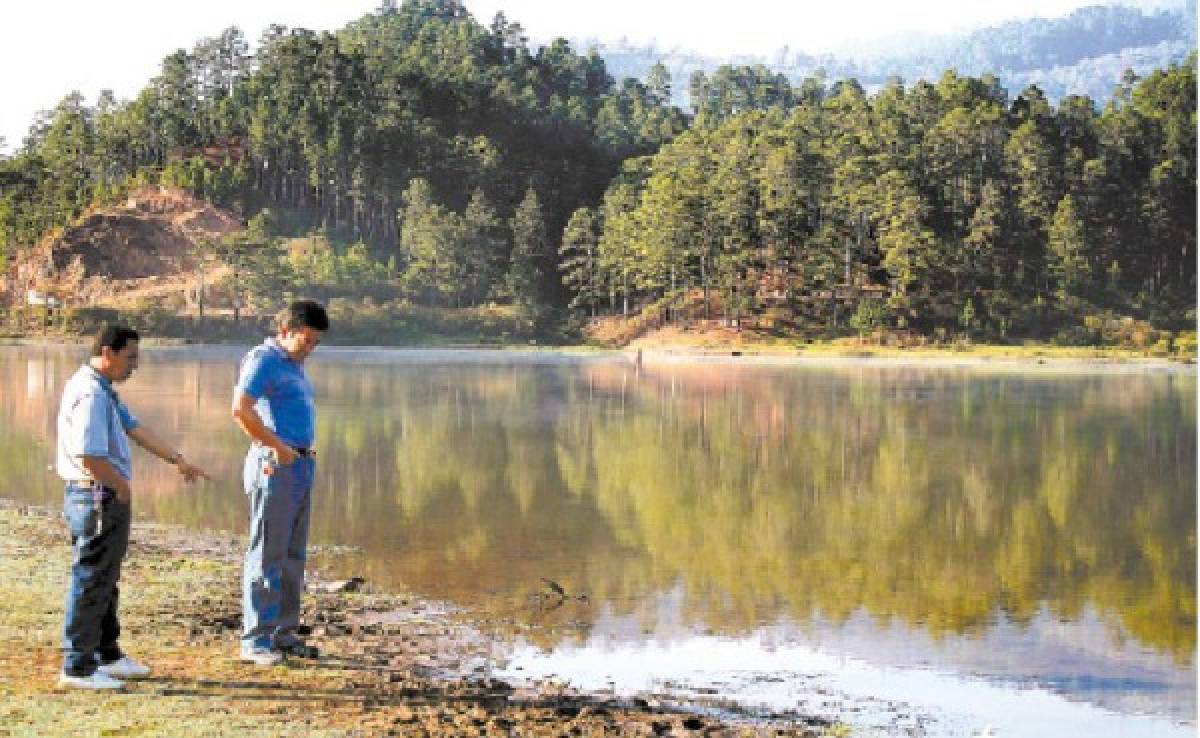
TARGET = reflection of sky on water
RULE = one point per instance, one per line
(1077, 659)
(1020, 683)
(465, 475)
(872, 699)
(1045, 678)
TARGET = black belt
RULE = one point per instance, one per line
(305, 452)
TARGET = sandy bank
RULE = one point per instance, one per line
(1049, 362)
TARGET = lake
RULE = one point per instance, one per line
(937, 550)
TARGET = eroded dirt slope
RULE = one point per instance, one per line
(144, 248)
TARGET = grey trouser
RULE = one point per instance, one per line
(273, 574)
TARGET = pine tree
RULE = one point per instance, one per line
(1067, 259)
(578, 261)
(428, 246)
(911, 253)
(528, 254)
(658, 84)
(983, 244)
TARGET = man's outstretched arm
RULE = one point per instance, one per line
(152, 443)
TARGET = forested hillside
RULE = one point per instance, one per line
(416, 109)
(431, 160)
(976, 212)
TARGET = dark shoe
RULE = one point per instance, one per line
(301, 651)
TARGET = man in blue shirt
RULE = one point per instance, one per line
(92, 457)
(273, 405)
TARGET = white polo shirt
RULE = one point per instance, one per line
(92, 421)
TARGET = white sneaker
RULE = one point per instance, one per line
(98, 680)
(125, 668)
(261, 656)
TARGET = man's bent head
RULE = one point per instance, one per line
(115, 352)
(300, 327)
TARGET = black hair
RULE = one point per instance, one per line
(303, 314)
(114, 336)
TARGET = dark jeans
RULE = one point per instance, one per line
(99, 538)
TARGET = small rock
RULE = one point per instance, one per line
(353, 584)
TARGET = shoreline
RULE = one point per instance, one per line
(932, 359)
(391, 663)
(983, 356)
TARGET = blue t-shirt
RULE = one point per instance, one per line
(283, 394)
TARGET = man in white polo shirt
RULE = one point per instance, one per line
(93, 459)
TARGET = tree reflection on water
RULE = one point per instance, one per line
(942, 499)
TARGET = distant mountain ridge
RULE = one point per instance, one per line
(1082, 53)
(1085, 33)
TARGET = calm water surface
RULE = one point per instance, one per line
(934, 550)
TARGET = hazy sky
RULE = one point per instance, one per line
(48, 49)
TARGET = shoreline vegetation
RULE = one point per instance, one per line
(402, 324)
(391, 664)
(1024, 356)
(677, 346)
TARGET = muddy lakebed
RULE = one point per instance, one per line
(864, 547)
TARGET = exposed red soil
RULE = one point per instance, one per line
(142, 248)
